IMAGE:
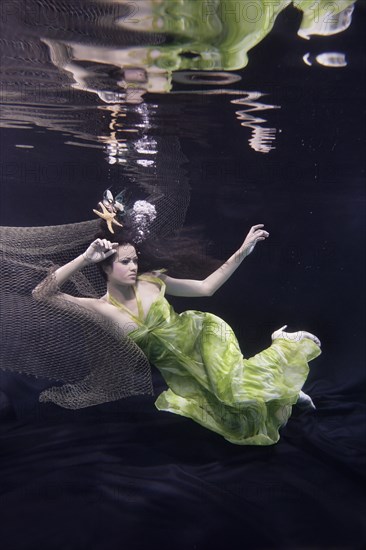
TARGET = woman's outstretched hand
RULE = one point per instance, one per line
(99, 250)
(256, 233)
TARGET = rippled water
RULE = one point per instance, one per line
(121, 78)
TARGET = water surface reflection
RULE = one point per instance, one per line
(85, 68)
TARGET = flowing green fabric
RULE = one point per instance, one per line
(244, 400)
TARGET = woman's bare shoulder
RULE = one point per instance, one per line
(150, 277)
(149, 281)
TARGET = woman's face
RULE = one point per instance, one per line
(124, 267)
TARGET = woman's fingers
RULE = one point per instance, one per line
(255, 227)
(257, 231)
(109, 253)
(104, 247)
(261, 236)
(107, 245)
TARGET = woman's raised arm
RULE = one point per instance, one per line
(96, 252)
(207, 287)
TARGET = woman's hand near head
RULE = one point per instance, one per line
(256, 233)
(99, 250)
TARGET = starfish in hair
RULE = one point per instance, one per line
(108, 216)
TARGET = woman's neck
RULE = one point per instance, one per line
(121, 293)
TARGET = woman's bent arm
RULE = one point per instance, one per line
(207, 287)
(97, 251)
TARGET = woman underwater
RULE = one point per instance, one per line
(245, 400)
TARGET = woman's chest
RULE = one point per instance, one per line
(130, 314)
(123, 320)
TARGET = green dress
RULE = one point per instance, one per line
(244, 400)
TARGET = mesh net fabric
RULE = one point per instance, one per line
(47, 336)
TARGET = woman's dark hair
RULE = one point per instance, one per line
(185, 253)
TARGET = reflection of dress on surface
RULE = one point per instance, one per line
(244, 400)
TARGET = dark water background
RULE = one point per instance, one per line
(163, 476)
